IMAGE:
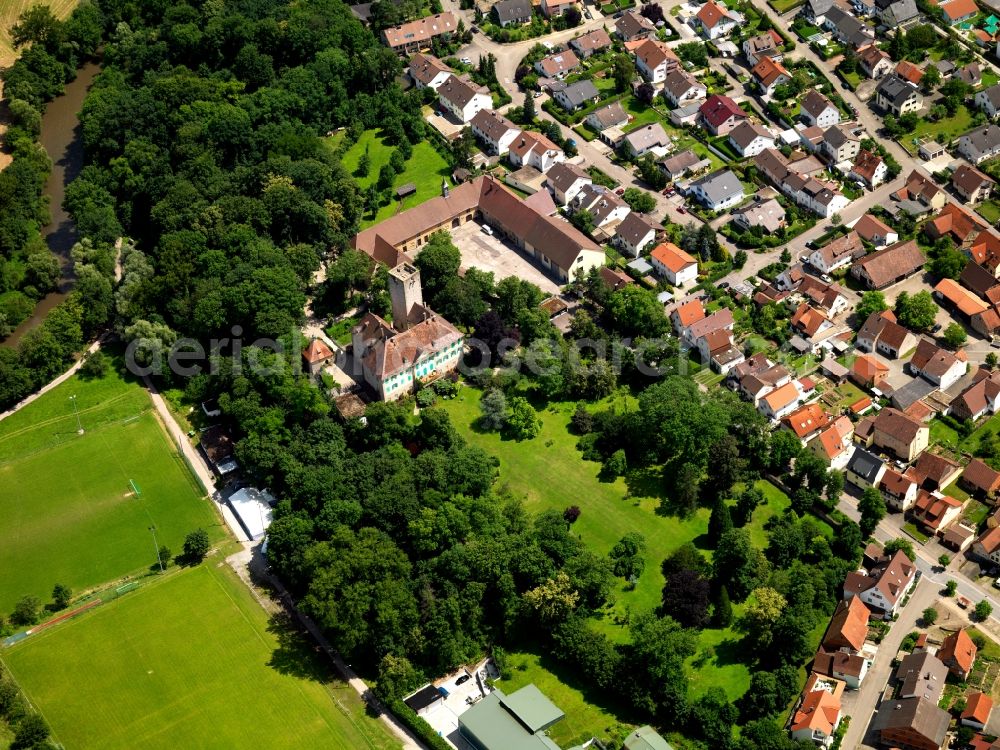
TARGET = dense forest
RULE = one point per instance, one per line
(204, 139)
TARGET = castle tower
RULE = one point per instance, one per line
(405, 293)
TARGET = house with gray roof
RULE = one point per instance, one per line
(680, 88)
(565, 180)
(847, 29)
(682, 163)
(646, 738)
(512, 12)
(764, 212)
(635, 234)
(897, 95)
(609, 116)
(981, 144)
(577, 95)
(717, 191)
(646, 138)
(511, 722)
(894, 13)
(864, 469)
(988, 100)
(494, 131)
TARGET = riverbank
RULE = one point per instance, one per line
(60, 137)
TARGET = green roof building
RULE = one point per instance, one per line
(646, 738)
(511, 722)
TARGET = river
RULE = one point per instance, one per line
(61, 139)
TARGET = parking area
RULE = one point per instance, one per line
(461, 690)
(489, 253)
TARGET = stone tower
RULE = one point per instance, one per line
(406, 294)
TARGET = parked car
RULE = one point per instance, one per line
(724, 285)
(681, 210)
(487, 229)
(463, 679)
(620, 191)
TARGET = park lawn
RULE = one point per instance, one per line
(943, 131)
(989, 210)
(584, 719)
(67, 515)
(425, 169)
(609, 509)
(189, 660)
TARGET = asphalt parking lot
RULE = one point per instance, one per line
(489, 253)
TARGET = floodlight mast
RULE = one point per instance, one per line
(156, 546)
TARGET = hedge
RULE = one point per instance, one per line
(416, 724)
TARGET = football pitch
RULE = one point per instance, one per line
(187, 661)
(67, 513)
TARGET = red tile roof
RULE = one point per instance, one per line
(718, 108)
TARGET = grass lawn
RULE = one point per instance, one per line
(783, 6)
(991, 650)
(943, 131)
(189, 660)
(943, 434)
(913, 531)
(66, 515)
(989, 79)
(583, 719)
(425, 169)
(989, 210)
(340, 331)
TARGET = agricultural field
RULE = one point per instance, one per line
(10, 10)
(425, 169)
(189, 660)
(68, 514)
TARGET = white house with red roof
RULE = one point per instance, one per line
(715, 21)
(720, 114)
(673, 264)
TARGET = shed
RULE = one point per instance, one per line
(834, 370)
(405, 190)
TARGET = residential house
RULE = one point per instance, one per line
(829, 298)
(899, 491)
(874, 61)
(872, 229)
(816, 110)
(883, 586)
(971, 74)
(849, 668)
(749, 138)
(494, 131)
(818, 714)
(961, 224)
(881, 333)
(614, 278)
(685, 315)
(556, 246)
(980, 398)
(577, 95)
(868, 372)
(682, 163)
(654, 60)
(717, 191)
(606, 209)
(680, 88)
(531, 149)
(864, 469)
(764, 212)
(837, 253)
(811, 323)
(819, 197)
(958, 653)
(426, 71)
(717, 321)
(898, 96)
(847, 29)
(869, 168)
(806, 422)
(921, 189)
(418, 35)
(609, 116)
(921, 674)
(714, 20)
(980, 479)
(633, 26)
(971, 185)
(769, 75)
(897, 13)
(558, 64)
(988, 100)
(933, 471)
(912, 724)
(935, 512)
(815, 10)
(954, 297)
(417, 347)
(834, 444)
(978, 707)
(839, 144)
(512, 12)
(463, 99)
(909, 72)
(686, 115)
(848, 628)
(781, 401)
(887, 266)
(900, 434)
(980, 144)
(673, 264)
(717, 350)
(555, 8)
(955, 12)
(937, 365)
(594, 41)
(643, 139)
(987, 546)
(635, 234)
(720, 114)
(565, 180)
(768, 44)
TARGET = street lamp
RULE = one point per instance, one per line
(79, 427)
(156, 546)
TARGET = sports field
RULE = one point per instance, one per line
(66, 511)
(187, 661)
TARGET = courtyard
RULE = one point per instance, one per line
(490, 253)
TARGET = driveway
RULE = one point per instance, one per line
(491, 254)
